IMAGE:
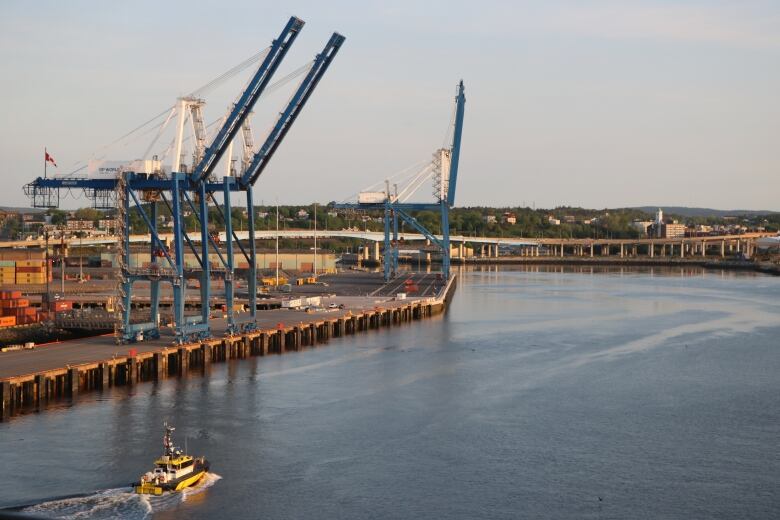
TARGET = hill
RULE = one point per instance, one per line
(684, 211)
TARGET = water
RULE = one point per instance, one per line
(542, 393)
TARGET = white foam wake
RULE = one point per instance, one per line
(117, 503)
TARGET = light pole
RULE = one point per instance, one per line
(81, 258)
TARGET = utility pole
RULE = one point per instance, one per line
(81, 258)
(48, 295)
(62, 265)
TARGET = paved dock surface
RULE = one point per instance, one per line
(352, 289)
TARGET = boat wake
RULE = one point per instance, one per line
(117, 503)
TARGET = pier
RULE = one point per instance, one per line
(30, 379)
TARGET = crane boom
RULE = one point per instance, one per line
(460, 102)
(288, 116)
(243, 107)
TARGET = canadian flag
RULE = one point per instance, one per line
(50, 159)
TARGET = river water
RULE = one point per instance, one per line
(542, 393)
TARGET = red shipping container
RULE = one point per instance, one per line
(62, 305)
(22, 302)
(7, 321)
(30, 270)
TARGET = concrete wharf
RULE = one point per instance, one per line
(30, 379)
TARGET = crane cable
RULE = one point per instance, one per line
(271, 88)
(230, 73)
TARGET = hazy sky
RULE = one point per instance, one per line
(586, 103)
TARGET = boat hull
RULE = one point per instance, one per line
(179, 484)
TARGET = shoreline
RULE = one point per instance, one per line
(766, 267)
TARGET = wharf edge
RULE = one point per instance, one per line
(32, 392)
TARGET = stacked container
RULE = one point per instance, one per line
(15, 310)
(7, 272)
(32, 272)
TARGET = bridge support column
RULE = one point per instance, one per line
(651, 249)
(704, 248)
(622, 250)
(682, 249)
(722, 248)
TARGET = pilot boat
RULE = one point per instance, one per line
(174, 471)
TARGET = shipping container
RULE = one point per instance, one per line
(31, 270)
(7, 321)
(62, 305)
(30, 263)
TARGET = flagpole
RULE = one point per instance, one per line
(45, 154)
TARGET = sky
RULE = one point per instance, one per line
(583, 103)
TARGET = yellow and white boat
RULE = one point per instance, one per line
(174, 471)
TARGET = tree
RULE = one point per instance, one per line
(58, 217)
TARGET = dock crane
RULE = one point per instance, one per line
(245, 183)
(444, 168)
(177, 190)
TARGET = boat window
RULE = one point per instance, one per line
(186, 464)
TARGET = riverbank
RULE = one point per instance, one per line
(764, 267)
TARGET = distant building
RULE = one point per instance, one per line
(509, 218)
(106, 223)
(78, 225)
(490, 219)
(302, 214)
(667, 230)
(569, 219)
(554, 221)
(642, 225)
(661, 229)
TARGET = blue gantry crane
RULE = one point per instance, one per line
(194, 191)
(444, 170)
